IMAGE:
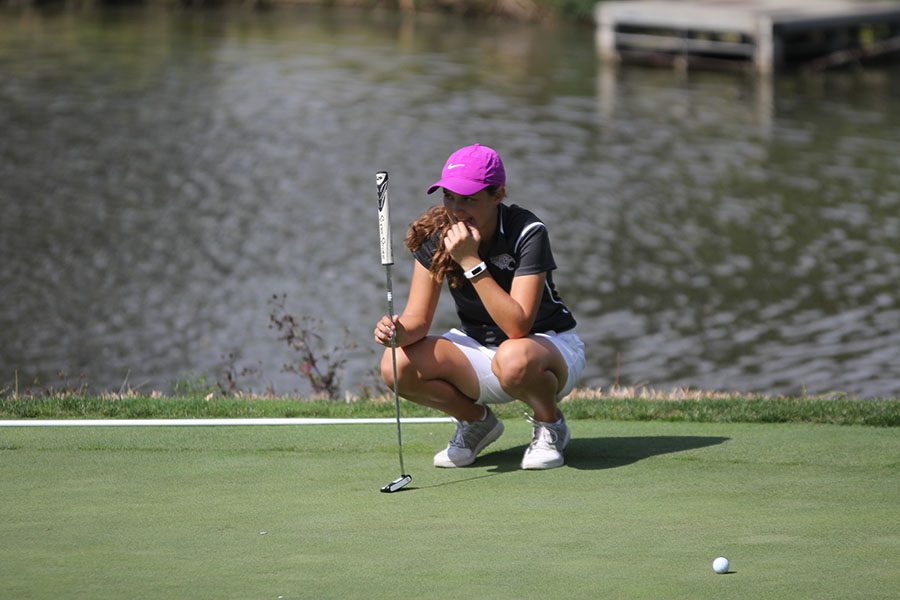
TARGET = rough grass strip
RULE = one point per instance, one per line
(614, 404)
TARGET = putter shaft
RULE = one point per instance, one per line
(390, 300)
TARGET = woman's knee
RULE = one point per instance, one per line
(511, 364)
(387, 367)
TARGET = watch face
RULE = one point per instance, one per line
(475, 271)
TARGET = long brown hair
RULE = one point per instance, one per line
(435, 220)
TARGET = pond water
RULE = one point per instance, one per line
(164, 173)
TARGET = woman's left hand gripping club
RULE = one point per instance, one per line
(387, 328)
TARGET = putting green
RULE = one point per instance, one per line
(640, 510)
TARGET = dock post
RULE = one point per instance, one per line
(605, 35)
(769, 51)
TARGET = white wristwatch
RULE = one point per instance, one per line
(476, 270)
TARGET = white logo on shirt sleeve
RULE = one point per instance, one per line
(504, 261)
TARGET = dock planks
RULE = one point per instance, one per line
(766, 33)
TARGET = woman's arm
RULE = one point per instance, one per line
(414, 323)
(513, 312)
(516, 311)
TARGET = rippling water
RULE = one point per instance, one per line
(164, 173)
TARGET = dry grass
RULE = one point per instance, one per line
(647, 393)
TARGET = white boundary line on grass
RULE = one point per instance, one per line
(211, 422)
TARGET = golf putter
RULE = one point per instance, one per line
(387, 259)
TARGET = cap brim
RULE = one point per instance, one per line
(463, 187)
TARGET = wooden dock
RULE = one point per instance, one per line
(768, 34)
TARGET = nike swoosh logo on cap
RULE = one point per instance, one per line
(455, 165)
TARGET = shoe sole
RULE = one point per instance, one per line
(489, 439)
(543, 466)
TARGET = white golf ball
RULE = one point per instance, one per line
(720, 565)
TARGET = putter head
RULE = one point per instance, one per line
(397, 484)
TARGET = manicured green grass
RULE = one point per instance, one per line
(640, 511)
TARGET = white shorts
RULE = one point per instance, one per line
(568, 343)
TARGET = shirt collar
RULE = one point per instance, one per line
(499, 245)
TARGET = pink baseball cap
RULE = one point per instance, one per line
(471, 169)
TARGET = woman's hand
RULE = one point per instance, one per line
(462, 241)
(388, 328)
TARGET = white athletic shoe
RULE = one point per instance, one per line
(471, 437)
(547, 445)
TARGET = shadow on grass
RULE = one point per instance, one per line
(454, 482)
(589, 454)
(605, 452)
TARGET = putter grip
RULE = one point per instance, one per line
(384, 218)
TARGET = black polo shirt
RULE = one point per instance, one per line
(521, 246)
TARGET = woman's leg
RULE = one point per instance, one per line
(532, 370)
(434, 372)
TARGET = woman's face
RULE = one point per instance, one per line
(478, 210)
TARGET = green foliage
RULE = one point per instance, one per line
(581, 10)
(876, 413)
(196, 385)
(739, 409)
